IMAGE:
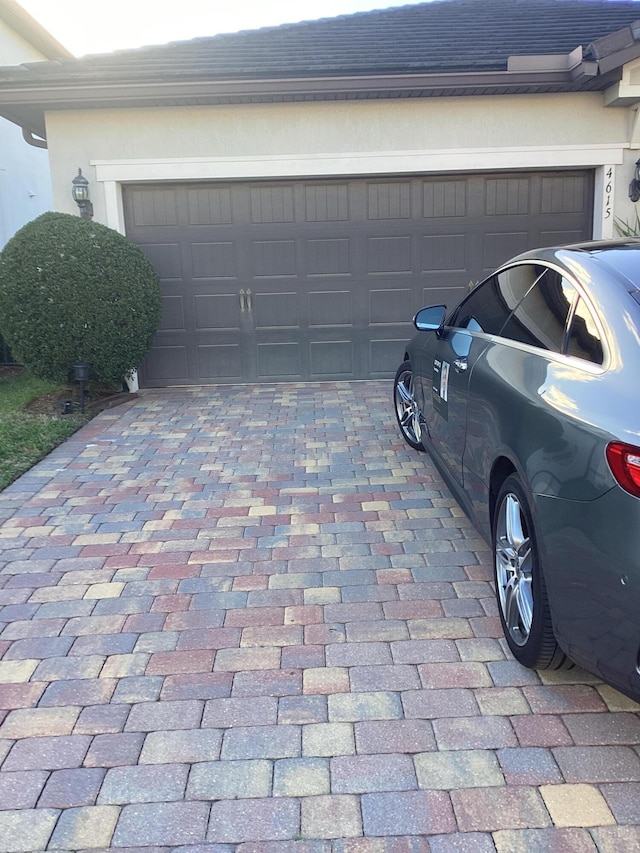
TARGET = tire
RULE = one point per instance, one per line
(406, 408)
(520, 588)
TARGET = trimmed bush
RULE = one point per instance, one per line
(74, 290)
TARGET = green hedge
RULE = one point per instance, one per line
(74, 290)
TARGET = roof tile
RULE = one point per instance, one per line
(441, 36)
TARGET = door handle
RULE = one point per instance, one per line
(242, 303)
(460, 364)
(249, 300)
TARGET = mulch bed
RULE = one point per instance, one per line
(54, 402)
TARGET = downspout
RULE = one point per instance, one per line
(36, 141)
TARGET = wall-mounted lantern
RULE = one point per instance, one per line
(634, 186)
(80, 193)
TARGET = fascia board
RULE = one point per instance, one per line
(617, 60)
(626, 91)
(69, 95)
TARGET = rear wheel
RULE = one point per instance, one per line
(520, 587)
(406, 407)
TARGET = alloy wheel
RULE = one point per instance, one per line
(514, 559)
(407, 409)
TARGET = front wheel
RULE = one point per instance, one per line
(520, 588)
(406, 407)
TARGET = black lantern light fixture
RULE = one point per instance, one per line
(634, 186)
(80, 193)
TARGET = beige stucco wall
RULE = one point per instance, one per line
(317, 139)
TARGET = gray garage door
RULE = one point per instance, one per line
(312, 280)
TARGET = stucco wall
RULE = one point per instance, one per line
(316, 139)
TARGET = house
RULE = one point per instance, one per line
(25, 183)
(302, 190)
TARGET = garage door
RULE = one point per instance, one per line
(313, 280)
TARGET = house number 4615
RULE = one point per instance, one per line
(608, 192)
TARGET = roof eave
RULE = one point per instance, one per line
(26, 103)
(65, 96)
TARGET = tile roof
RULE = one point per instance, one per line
(444, 48)
(443, 36)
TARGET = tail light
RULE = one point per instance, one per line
(624, 461)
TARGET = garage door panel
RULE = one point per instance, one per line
(390, 305)
(220, 362)
(273, 258)
(389, 255)
(214, 260)
(209, 206)
(328, 256)
(166, 259)
(563, 195)
(331, 359)
(443, 252)
(271, 204)
(331, 308)
(498, 248)
(217, 311)
(444, 199)
(384, 355)
(508, 197)
(276, 310)
(448, 296)
(154, 208)
(554, 238)
(279, 360)
(167, 363)
(389, 200)
(327, 203)
(314, 279)
(172, 317)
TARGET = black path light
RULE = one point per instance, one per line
(80, 193)
(81, 375)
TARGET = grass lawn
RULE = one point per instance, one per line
(24, 437)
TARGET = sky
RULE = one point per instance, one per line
(96, 26)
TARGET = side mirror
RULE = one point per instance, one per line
(430, 319)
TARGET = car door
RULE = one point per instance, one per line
(450, 357)
(453, 358)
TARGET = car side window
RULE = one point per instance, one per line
(583, 339)
(541, 317)
(488, 306)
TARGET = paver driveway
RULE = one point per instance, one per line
(251, 619)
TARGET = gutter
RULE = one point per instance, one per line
(68, 95)
(31, 139)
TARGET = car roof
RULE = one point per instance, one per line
(589, 246)
(621, 257)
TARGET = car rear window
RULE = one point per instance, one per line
(583, 340)
(541, 317)
(487, 308)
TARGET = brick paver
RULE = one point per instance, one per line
(251, 620)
